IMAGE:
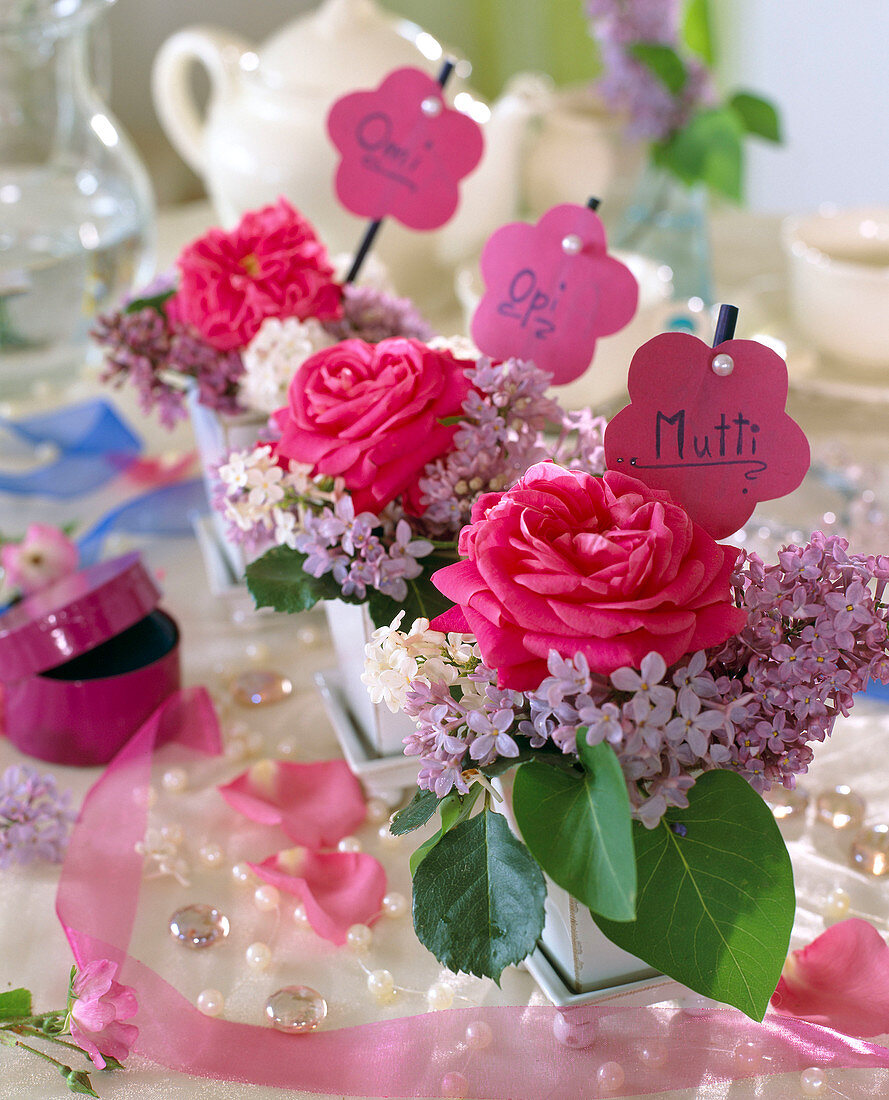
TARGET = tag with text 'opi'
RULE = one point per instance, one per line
(551, 292)
(403, 150)
(709, 425)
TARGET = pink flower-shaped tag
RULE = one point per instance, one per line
(338, 889)
(403, 150)
(841, 980)
(552, 291)
(315, 804)
(709, 425)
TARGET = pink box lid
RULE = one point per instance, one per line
(74, 615)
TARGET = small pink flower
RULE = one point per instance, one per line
(841, 980)
(44, 556)
(270, 265)
(100, 1004)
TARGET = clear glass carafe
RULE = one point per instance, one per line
(76, 208)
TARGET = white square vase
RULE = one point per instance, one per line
(350, 630)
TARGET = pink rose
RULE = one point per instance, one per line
(372, 414)
(270, 265)
(606, 567)
(100, 1004)
(44, 556)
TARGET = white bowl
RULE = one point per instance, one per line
(838, 263)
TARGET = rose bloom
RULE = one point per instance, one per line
(606, 567)
(99, 1006)
(371, 414)
(44, 556)
(270, 265)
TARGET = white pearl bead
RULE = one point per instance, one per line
(211, 855)
(285, 748)
(175, 780)
(431, 106)
(258, 956)
(748, 1055)
(610, 1076)
(300, 917)
(813, 1082)
(439, 996)
(377, 811)
(722, 364)
(388, 838)
(306, 636)
(359, 938)
(653, 1053)
(241, 873)
(257, 651)
(173, 833)
(836, 908)
(381, 984)
(479, 1035)
(211, 1002)
(394, 905)
(236, 750)
(349, 844)
(454, 1086)
(572, 244)
(266, 898)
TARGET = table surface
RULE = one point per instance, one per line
(222, 637)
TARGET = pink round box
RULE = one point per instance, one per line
(85, 662)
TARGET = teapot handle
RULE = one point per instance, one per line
(220, 54)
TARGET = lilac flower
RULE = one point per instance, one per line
(649, 693)
(34, 817)
(372, 315)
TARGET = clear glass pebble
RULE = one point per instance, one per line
(870, 851)
(261, 687)
(786, 804)
(840, 808)
(296, 1009)
(199, 926)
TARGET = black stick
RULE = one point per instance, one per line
(370, 233)
(725, 324)
(593, 203)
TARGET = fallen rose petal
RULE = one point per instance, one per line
(338, 889)
(315, 804)
(841, 980)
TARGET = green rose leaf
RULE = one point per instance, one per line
(578, 828)
(708, 149)
(278, 580)
(757, 115)
(15, 1002)
(452, 809)
(416, 813)
(716, 898)
(478, 898)
(663, 62)
(423, 600)
(153, 301)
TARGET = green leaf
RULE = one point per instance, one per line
(578, 828)
(478, 898)
(112, 1063)
(278, 580)
(423, 600)
(716, 904)
(663, 62)
(452, 809)
(708, 150)
(416, 813)
(152, 301)
(696, 30)
(15, 1002)
(757, 115)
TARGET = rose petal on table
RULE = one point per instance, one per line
(841, 980)
(315, 804)
(162, 469)
(338, 889)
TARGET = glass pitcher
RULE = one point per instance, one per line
(76, 208)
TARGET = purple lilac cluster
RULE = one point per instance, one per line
(500, 436)
(372, 315)
(817, 631)
(35, 817)
(145, 349)
(627, 85)
(363, 551)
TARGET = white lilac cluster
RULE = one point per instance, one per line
(501, 435)
(272, 358)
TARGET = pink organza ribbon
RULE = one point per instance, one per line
(97, 901)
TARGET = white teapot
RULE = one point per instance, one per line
(264, 134)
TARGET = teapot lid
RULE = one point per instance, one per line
(345, 44)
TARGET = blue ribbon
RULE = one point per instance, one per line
(94, 445)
